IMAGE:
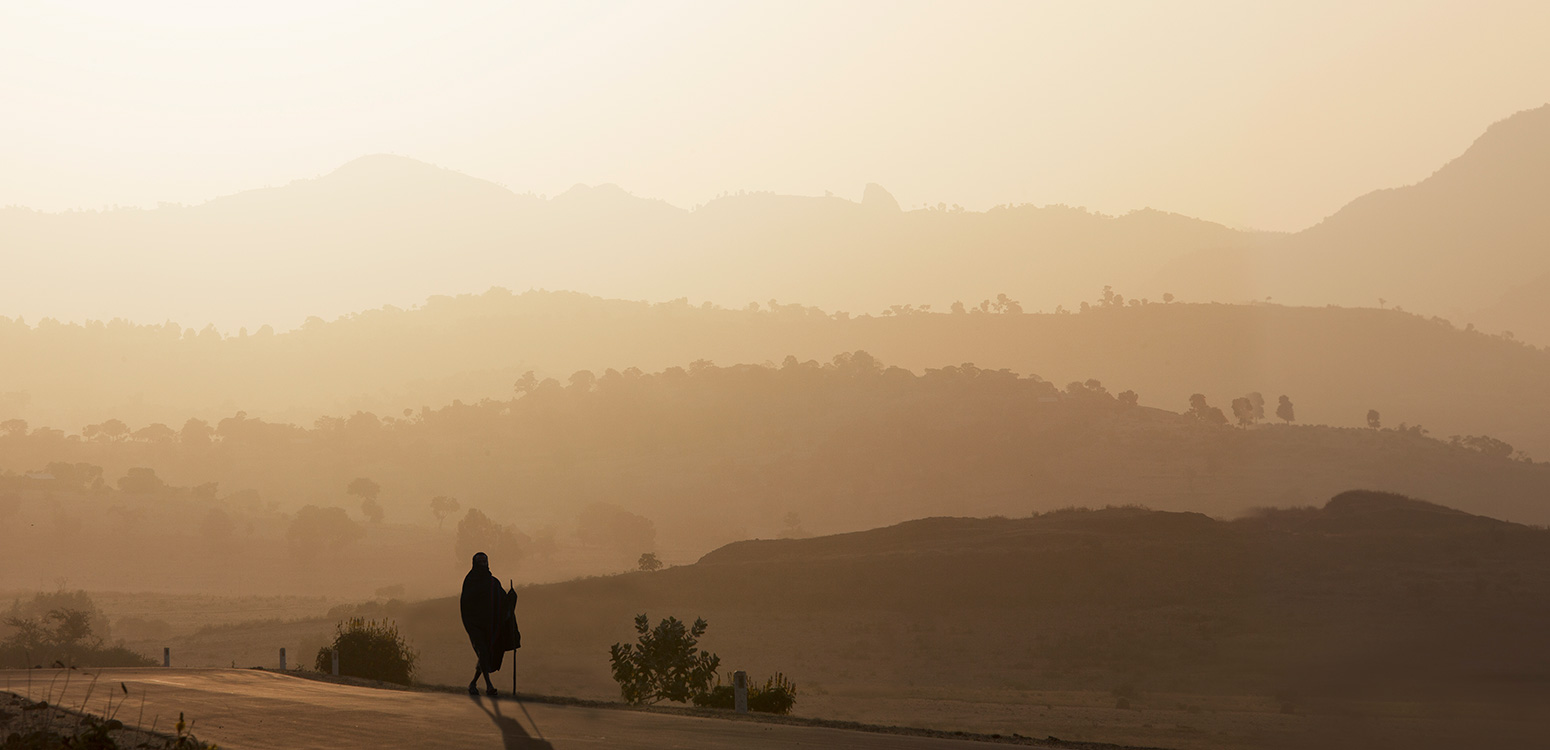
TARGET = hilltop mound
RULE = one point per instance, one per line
(1349, 602)
(1350, 512)
(930, 536)
(1357, 503)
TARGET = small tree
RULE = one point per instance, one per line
(112, 430)
(1374, 419)
(793, 523)
(1129, 398)
(443, 506)
(1258, 402)
(1243, 411)
(1199, 409)
(140, 481)
(367, 491)
(527, 383)
(370, 649)
(479, 533)
(156, 433)
(196, 432)
(1284, 410)
(664, 664)
(649, 562)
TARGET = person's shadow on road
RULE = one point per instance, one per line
(512, 733)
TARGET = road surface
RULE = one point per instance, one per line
(248, 710)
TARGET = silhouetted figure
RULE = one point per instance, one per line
(489, 616)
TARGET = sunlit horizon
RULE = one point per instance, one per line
(1254, 117)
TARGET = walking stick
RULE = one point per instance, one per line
(513, 643)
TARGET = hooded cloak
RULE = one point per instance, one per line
(489, 615)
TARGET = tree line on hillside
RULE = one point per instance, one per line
(70, 341)
(802, 440)
(614, 387)
(52, 352)
(167, 381)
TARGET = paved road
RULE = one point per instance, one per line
(246, 710)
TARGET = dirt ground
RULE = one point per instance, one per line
(847, 682)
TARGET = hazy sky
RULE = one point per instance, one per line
(1250, 113)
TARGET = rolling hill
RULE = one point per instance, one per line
(1370, 612)
(1334, 363)
(685, 459)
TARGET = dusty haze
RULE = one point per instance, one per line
(1466, 244)
(1264, 116)
(1165, 375)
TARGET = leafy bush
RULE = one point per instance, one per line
(664, 665)
(370, 649)
(775, 696)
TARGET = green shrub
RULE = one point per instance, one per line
(775, 696)
(664, 665)
(370, 649)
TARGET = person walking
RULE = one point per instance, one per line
(489, 616)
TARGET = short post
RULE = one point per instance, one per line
(336, 662)
(166, 656)
(740, 691)
(282, 658)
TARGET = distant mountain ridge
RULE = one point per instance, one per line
(391, 229)
(1454, 244)
(1455, 239)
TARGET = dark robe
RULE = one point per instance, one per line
(490, 617)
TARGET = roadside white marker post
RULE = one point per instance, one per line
(282, 658)
(166, 656)
(740, 691)
(336, 662)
